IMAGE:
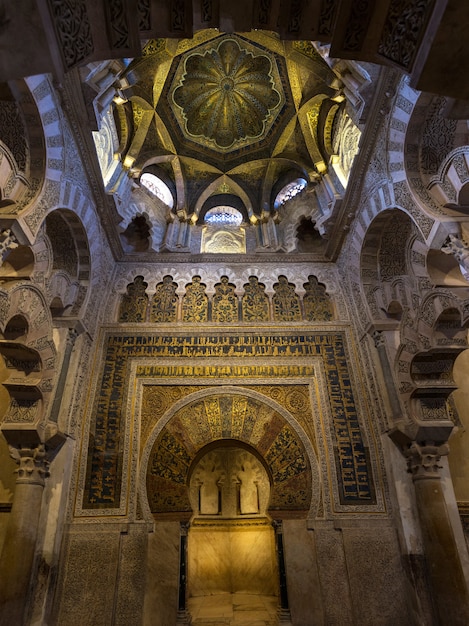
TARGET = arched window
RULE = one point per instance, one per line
(158, 188)
(223, 216)
(289, 191)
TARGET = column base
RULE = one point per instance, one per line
(284, 617)
(184, 618)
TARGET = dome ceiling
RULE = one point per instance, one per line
(226, 94)
(227, 114)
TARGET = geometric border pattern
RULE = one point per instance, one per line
(104, 467)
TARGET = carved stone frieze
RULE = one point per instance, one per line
(74, 31)
(403, 29)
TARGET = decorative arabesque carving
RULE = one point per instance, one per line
(23, 410)
(459, 248)
(144, 15)
(327, 19)
(403, 28)
(346, 141)
(73, 28)
(206, 11)
(254, 303)
(317, 304)
(225, 302)
(286, 304)
(195, 302)
(359, 18)
(164, 302)
(392, 253)
(178, 15)
(228, 240)
(8, 242)
(13, 133)
(134, 303)
(437, 137)
(118, 24)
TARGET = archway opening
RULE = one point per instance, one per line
(222, 473)
(231, 542)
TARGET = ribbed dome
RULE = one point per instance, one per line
(227, 95)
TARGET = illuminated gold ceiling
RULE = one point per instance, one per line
(226, 94)
(233, 112)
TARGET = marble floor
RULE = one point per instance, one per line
(233, 609)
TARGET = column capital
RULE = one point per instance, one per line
(33, 465)
(72, 336)
(278, 526)
(423, 459)
(378, 338)
(8, 242)
(459, 248)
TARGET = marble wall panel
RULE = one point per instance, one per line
(132, 574)
(230, 558)
(303, 585)
(334, 584)
(372, 554)
(162, 575)
(90, 561)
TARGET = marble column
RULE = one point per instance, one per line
(380, 345)
(72, 335)
(448, 584)
(284, 608)
(183, 616)
(19, 548)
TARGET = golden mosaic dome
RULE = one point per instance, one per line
(228, 95)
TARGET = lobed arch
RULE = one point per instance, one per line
(68, 270)
(137, 235)
(391, 260)
(304, 205)
(439, 327)
(23, 169)
(434, 149)
(155, 212)
(28, 349)
(145, 299)
(450, 185)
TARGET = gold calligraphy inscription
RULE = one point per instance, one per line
(220, 371)
(104, 464)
